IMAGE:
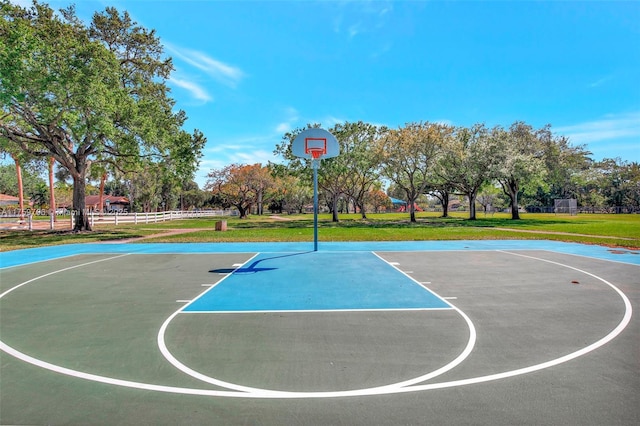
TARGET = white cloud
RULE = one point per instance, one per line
(330, 121)
(283, 127)
(355, 29)
(226, 74)
(601, 81)
(194, 89)
(286, 125)
(359, 17)
(612, 126)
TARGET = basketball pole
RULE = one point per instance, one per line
(315, 203)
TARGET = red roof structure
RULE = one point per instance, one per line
(111, 202)
(6, 200)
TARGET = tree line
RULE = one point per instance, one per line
(92, 101)
(528, 166)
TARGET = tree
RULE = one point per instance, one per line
(360, 158)
(378, 200)
(489, 196)
(331, 173)
(470, 161)
(144, 188)
(191, 196)
(563, 163)
(261, 182)
(408, 155)
(442, 190)
(292, 193)
(31, 180)
(20, 158)
(237, 185)
(617, 181)
(84, 95)
(521, 166)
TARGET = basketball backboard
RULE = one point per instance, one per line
(315, 144)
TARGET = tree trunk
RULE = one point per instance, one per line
(242, 211)
(80, 212)
(472, 206)
(334, 207)
(412, 210)
(445, 203)
(52, 193)
(20, 189)
(259, 203)
(513, 194)
(363, 213)
(515, 214)
(510, 189)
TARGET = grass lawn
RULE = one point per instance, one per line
(610, 230)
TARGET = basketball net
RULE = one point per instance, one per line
(316, 153)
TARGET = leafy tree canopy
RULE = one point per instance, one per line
(84, 95)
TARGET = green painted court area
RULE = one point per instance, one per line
(515, 336)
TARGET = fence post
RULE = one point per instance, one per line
(30, 222)
(91, 218)
(135, 218)
(116, 219)
(52, 216)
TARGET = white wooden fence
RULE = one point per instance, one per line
(66, 221)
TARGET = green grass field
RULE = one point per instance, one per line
(610, 230)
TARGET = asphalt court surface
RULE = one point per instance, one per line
(463, 355)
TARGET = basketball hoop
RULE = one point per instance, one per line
(316, 153)
(315, 144)
(315, 147)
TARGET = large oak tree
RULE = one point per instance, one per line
(83, 95)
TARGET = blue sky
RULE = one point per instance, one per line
(248, 71)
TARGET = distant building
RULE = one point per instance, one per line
(8, 200)
(112, 203)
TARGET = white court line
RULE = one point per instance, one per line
(212, 380)
(60, 270)
(364, 392)
(394, 266)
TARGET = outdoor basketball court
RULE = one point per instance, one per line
(464, 332)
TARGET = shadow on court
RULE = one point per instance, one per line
(252, 268)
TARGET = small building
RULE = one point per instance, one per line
(8, 200)
(112, 203)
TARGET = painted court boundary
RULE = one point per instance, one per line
(40, 254)
(402, 387)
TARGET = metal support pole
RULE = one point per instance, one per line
(315, 204)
